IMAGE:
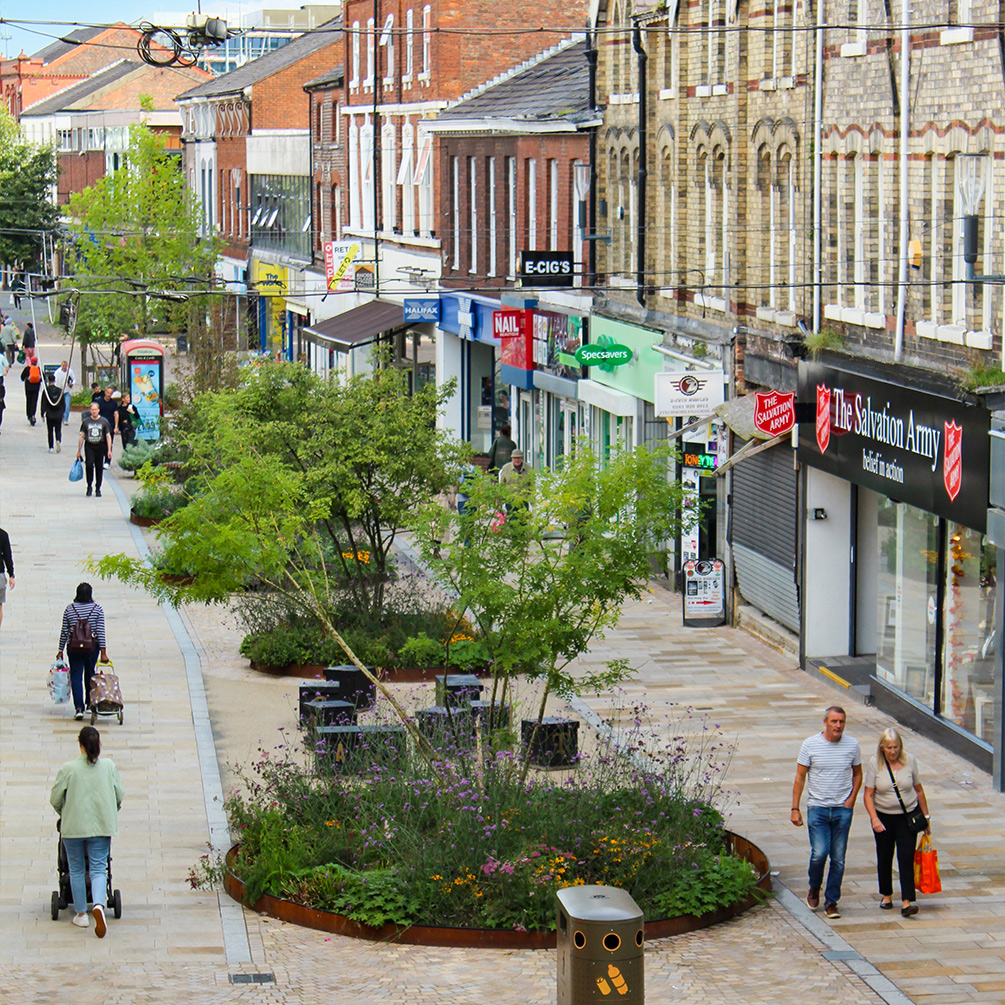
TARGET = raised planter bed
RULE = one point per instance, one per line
(487, 938)
(142, 521)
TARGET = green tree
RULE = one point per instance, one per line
(300, 487)
(136, 236)
(545, 568)
(27, 175)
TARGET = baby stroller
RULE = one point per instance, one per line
(64, 895)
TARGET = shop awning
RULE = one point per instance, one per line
(359, 326)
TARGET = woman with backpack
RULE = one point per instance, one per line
(32, 377)
(83, 637)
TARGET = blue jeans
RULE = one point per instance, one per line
(828, 827)
(83, 854)
(66, 405)
(81, 671)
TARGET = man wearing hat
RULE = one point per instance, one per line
(518, 477)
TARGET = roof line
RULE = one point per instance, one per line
(514, 71)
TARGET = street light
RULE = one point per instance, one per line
(971, 171)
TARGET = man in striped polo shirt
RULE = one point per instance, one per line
(830, 763)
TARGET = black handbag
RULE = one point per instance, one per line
(917, 822)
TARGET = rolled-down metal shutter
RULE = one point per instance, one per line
(763, 521)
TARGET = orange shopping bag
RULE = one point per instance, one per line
(926, 867)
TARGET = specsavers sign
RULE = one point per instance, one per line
(922, 449)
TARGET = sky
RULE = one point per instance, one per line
(64, 13)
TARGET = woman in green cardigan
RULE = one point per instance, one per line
(87, 796)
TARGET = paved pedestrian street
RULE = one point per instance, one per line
(193, 707)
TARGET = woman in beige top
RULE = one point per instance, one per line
(889, 821)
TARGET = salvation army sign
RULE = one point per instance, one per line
(923, 449)
(774, 412)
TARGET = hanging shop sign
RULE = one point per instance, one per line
(423, 309)
(686, 394)
(546, 268)
(340, 272)
(918, 448)
(514, 330)
(704, 595)
(604, 353)
(774, 412)
(695, 455)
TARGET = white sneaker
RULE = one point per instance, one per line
(99, 921)
(82, 921)
(50, 450)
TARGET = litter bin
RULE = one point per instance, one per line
(601, 946)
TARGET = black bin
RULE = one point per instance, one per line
(555, 744)
(497, 712)
(458, 689)
(330, 712)
(445, 727)
(353, 685)
(316, 690)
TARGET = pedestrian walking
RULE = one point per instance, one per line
(51, 408)
(82, 635)
(16, 289)
(6, 569)
(829, 766)
(502, 449)
(31, 375)
(96, 443)
(127, 419)
(87, 795)
(108, 406)
(518, 477)
(65, 380)
(8, 335)
(892, 791)
(28, 340)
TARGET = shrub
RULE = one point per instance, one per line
(136, 455)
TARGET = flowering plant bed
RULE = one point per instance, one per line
(488, 938)
(381, 838)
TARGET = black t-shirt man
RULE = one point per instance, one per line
(108, 406)
(95, 431)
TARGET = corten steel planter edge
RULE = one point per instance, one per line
(487, 938)
(142, 521)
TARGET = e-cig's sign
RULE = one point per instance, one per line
(546, 268)
(922, 449)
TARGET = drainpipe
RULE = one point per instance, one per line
(591, 58)
(905, 124)
(640, 238)
(818, 104)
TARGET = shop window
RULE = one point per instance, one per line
(968, 634)
(907, 598)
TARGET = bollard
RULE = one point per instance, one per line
(555, 741)
(353, 685)
(328, 712)
(601, 946)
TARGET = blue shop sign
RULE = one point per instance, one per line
(424, 309)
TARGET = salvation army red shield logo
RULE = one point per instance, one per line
(952, 459)
(774, 412)
(823, 417)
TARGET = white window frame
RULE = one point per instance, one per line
(387, 41)
(581, 195)
(354, 79)
(388, 156)
(367, 179)
(511, 213)
(455, 183)
(792, 225)
(406, 77)
(370, 55)
(426, 74)
(493, 222)
(423, 179)
(860, 34)
(531, 204)
(553, 207)
(473, 213)
(405, 180)
(859, 233)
